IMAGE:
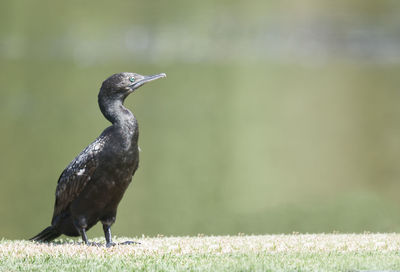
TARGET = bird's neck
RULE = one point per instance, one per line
(115, 112)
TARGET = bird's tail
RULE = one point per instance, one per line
(46, 235)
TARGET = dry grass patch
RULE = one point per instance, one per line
(308, 252)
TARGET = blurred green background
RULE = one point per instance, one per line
(276, 116)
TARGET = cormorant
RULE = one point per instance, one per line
(91, 187)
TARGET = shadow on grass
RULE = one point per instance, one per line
(90, 244)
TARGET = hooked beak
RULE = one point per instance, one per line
(146, 79)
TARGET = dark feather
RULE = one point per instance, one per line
(77, 175)
(46, 235)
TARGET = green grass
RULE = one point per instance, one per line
(309, 252)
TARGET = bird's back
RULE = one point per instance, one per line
(93, 184)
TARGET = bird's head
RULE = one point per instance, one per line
(120, 85)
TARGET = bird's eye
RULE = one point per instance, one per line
(132, 79)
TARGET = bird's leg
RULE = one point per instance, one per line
(82, 231)
(81, 225)
(107, 234)
(107, 221)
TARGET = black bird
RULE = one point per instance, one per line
(91, 187)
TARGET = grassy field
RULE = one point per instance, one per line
(296, 252)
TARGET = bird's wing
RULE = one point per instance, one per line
(77, 175)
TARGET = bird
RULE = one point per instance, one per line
(92, 185)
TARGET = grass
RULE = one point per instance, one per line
(296, 252)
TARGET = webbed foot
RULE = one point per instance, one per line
(129, 243)
(110, 244)
(92, 244)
